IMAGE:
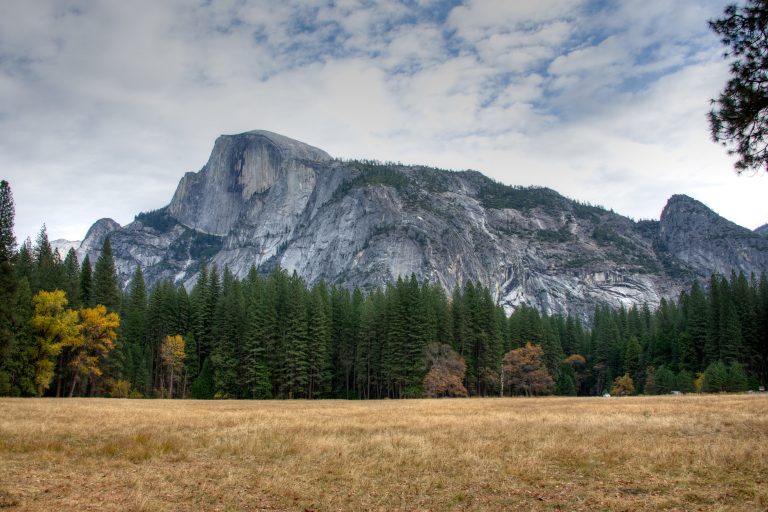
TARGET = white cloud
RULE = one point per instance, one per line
(106, 105)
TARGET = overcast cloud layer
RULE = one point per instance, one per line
(104, 105)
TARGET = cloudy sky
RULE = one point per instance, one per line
(105, 105)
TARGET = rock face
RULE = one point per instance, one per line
(707, 243)
(240, 170)
(762, 230)
(264, 200)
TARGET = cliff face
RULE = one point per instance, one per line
(707, 243)
(265, 200)
(241, 169)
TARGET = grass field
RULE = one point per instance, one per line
(654, 453)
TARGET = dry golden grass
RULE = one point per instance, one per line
(654, 453)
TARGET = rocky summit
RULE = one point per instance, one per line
(264, 200)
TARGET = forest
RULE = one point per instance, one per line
(67, 329)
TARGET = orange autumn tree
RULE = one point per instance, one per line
(55, 327)
(172, 355)
(98, 330)
(525, 372)
(446, 372)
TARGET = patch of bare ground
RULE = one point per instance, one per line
(638, 453)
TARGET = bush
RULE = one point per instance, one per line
(715, 378)
(666, 380)
(737, 378)
(685, 381)
(623, 386)
(119, 388)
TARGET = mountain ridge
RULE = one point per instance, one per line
(263, 199)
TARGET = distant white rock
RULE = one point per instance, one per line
(63, 246)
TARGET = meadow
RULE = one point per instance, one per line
(695, 452)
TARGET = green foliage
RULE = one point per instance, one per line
(203, 388)
(496, 195)
(685, 382)
(736, 379)
(566, 384)
(666, 380)
(8, 287)
(106, 290)
(277, 337)
(158, 220)
(716, 378)
(196, 245)
(739, 117)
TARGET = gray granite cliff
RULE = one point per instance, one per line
(264, 200)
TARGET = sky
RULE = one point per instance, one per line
(105, 105)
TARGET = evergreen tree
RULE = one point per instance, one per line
(8, 286)
(633, 363)
(716, 378)
(731, 344)
(566, 384)
(712, 345)
(132, 342)
(200, 316)
(203, 387)
(295, 341)
(259, 339)
(48, 272)
(228, 322)
(694, 339)
(85, 291)
(319, 342)
(106, 290)
(736, 380)
(685, 381)
(71, 279)
(665, 380)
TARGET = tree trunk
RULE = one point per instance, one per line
(74, 383)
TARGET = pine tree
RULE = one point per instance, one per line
(71, 279)
(106, 290)
(203, 387)
(227, 328)
(200, 316)
(295, 341)
(132, 343)
(712, 345)
(48, 271)
(85, 290)
(259, 338)
(694, 339)
(731, 344)
(319, 342)
(633, 363)
(736, 380)
(716, 377)
(8, 286)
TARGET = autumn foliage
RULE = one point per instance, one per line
(172, 355)
(88, 336)
(525, 372)
(623, 386)
(55, 327)
(446, 374)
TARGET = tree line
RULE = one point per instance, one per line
(67, 329)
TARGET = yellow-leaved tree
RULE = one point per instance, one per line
(55, 326)
(98, 330)
(172, 354)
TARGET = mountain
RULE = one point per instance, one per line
(762, 230)
(265, 200)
